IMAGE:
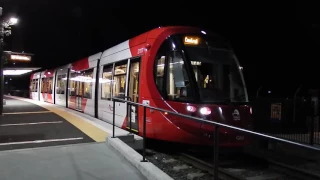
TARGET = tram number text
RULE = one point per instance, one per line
(141, 51)
(239, 138)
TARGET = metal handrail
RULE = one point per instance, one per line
(216, 130)
(222, 125)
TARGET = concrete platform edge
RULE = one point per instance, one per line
(149, 170)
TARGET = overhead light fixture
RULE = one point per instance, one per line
(16, 72)
(13, 21)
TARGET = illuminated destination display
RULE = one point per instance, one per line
(191, 40)
(20, 58)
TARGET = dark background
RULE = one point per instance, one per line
(276, 43)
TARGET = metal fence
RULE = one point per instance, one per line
(286, 118)
(216, 130)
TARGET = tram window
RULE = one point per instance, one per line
(43, 85)
(36, 85)
(49, 85)
(88, 82)
(81, 83)
(32, 86)
(119, 82)
(72, 85)
(160, 73)
(106, 82)
(134, 81)
(178, 85)
(160, 65)
(61, 84)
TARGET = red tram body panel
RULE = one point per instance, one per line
(180, 69)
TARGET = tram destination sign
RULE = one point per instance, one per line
(191, 40)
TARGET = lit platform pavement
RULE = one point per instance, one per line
(39, 140)
(26, 125)
(92, 161)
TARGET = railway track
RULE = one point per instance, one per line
(237, 167)
(206, 167)
(265, 169)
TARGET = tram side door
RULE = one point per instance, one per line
(46, 81)
(133, 92)
(79, 95)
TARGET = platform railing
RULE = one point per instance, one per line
(309, 136)
(216, 130)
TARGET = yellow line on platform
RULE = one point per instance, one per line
(33, 112)
(89, 129)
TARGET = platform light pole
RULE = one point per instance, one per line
(4, 31)
(1, 64)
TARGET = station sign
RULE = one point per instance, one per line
(17, 63)
(275, 112)
(16, 57)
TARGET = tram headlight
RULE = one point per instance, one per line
(205, 111)
(191, 109)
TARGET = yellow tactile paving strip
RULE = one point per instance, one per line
(89, 129)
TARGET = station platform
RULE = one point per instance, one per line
(27, 125)
(39, 140)
(89, 161)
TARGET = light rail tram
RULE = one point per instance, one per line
(181, 69)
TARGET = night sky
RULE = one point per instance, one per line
(277, 44)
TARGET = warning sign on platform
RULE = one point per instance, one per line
(276, 111)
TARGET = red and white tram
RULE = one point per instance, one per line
(181, 69)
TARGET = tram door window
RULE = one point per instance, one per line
(43, 85)
(36, 85)
(133, 93)
(87, 80)
(80, 87)
(106, 82)
(119, 83)
(61, 84)
(50, 80)
(32, 86)
(79, 94)
(72, 90)
(46, 87)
